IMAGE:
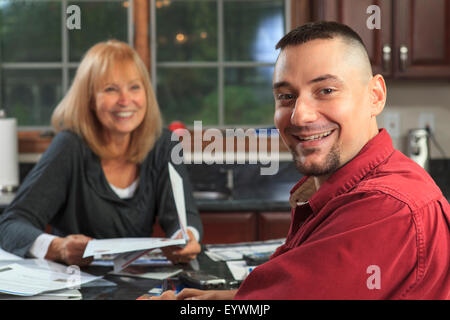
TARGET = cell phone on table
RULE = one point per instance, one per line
(201, 280)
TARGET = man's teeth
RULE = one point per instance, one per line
(124, 114)
(317, 136)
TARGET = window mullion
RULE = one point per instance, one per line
(64, 49)
(220, 55)
(153, 44)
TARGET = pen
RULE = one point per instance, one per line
(165, 285)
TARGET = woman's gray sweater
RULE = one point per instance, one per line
(67, 189)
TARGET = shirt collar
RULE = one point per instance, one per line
(378, 149)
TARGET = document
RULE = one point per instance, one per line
(23, 280)
(178, 194)
(157, 273)
(154, 258)
(120, 245)
(236, 251)
(238, 269)
(6, 256)
(130, 249)
(64, 294)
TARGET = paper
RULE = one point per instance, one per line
(6, 256)
(20, 280)
(125, 259)
(236, 251)
(64, 294)
(121, 245)
(152, 258)
(157, 273)
(238, 269)
(178, 194)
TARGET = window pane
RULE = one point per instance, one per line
(100, 21)
(186, 30)
(248, 96)
(72, 72)
(252, 29)
(188, 94)
(30, 31)
(31, 95)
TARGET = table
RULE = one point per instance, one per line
(130, 288)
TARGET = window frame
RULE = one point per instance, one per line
(64, 66)
(220, 64)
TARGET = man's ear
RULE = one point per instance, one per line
(377, 94)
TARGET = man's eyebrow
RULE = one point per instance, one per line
(325, 77)
(281, 84)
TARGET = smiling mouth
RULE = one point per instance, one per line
(315, 136)
(124, 114)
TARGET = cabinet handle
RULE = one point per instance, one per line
(403, 57)
(386, 57)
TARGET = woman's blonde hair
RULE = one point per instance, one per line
(74, 112)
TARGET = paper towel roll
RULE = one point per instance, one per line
(9, 155)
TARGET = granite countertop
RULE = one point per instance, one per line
(257, 200)
(273, 197)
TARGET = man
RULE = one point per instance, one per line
(367, 222)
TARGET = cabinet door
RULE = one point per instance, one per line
(228, 227)
(422, 32)
(223, 227)
(354, 14)
(273, 225)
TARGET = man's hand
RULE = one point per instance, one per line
(183, 255)
(196, 294)
(69, 250)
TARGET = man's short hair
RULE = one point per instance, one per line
(319, 30)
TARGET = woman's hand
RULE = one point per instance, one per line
(69, 250)
(196, 294)
(183, 255)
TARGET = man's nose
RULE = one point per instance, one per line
(303, 113)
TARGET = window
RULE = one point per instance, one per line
(212, 60)
(39, 54)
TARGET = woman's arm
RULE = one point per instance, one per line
(39, 198)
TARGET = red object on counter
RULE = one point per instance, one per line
(175, 125)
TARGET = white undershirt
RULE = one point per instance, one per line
(40, 246)
(125, 193)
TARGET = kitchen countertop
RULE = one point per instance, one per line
(252, 200)
(243, 205)
(267, 197)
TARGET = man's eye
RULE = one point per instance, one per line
(326, 91)
(285, 96)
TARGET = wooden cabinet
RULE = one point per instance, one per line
(413, 40)
(423, 28)
(229, 227)
(232, 227)
(273, 225)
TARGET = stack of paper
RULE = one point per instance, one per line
(6, 256)
(130, 249)
(236, 251)
(156, 273)
(64, 294)
(31, 277)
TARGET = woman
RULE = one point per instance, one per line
(105, 174)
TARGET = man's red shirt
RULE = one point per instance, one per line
(378, 228)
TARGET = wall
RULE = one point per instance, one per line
(409, 99)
